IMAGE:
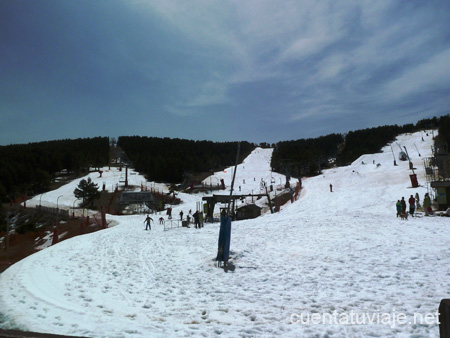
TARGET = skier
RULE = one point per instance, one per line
(331, 187)
(147, 222)
(181, 215)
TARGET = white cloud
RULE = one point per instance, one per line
(428, 76)
(285, 41)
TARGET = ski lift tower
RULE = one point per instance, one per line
(127, 163)
(412, 176)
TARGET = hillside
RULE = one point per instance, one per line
(339, 252)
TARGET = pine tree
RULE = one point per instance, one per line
(87, 191)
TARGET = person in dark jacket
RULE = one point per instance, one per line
(412, 205)
(427, 204)
(147, 223)
(403, 202)
(196, 219)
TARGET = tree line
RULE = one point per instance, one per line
(168, 160)
(306, 157)
(371, 140)
(443, 139)
(29, 168)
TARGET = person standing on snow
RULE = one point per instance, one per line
(196, 219)
(147, 223)
(398, 205)
(181, 215)
(403, 202)
(427, 204)
(412, 205)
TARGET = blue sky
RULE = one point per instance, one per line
(260, 71)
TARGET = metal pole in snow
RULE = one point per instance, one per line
(234, 176)
(409, 159)
(417, 149)
(395, 163)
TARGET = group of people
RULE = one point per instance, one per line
(197, 216)
(414, 204)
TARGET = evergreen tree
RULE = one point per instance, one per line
(3, 194)
(27, 168)
(42, 181)
(2, 218)
(443, 138)
(87, 191)
(165, 160)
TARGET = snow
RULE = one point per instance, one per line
(63, 197)
(342, 252)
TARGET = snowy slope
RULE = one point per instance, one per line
(64, 198)
(253, 176)
(340, 252)
(250, 173)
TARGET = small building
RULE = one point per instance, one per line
(437, 171)
(137, 198)
(442, 194)
(248, 211)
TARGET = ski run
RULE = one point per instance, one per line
(331, 264)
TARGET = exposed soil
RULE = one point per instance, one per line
(38, 229)
(23, 334)
(35, 228)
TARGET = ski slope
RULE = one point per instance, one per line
(341, 253)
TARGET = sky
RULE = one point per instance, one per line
(256, 70)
